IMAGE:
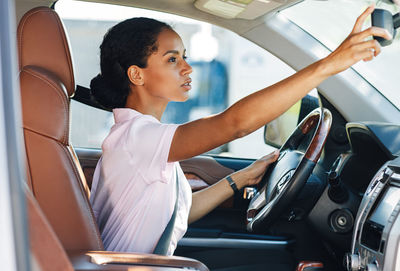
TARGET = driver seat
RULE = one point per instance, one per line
(54, 174)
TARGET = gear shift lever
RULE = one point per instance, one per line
(336, 191)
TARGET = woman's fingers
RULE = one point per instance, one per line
(366, 55)
(356, 48)
(366, 50)
(373, 31)
(255, 171)
(271, 157)
(369, 55)
(361, 19)
(370, 48)
(361, 37)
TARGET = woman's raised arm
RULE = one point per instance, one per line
(259, 108)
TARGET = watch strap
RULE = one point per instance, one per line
(232, 184)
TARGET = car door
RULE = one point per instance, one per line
(218, 81)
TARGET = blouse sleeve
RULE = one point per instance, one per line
(149, 142)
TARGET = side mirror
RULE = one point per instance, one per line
(277, 131)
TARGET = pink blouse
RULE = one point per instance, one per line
(133, 191)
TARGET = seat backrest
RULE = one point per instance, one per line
(54, 173)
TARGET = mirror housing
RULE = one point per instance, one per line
(384, 19)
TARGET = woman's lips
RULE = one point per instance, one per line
(187, 86)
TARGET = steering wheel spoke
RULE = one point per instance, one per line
(257, 203)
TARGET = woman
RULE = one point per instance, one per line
(143, 68)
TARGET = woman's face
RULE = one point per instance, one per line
(167, 73)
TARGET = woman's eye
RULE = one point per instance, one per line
(172, 59)
(184, 57)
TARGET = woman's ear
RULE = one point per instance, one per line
(135, 75)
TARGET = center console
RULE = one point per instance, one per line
(376, 236)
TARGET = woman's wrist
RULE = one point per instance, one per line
(232, 184)
(323, 68)
(239, 180)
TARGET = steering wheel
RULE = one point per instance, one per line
(285, 177)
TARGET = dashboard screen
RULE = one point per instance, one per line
(385, 207)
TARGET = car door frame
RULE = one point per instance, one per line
(14, 252)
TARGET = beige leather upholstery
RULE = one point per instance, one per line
(54, 173)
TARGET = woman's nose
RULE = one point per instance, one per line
(186, 69)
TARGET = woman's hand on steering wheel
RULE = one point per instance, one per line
(252, 174)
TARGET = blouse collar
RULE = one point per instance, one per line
(125, 114)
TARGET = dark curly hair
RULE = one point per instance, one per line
(128, 43)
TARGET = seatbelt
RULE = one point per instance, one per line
(165, 239)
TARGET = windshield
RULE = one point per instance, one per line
(331, 21)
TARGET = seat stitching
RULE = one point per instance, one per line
(65, 104)
(63, 99)
(88, 201)
(78, 178)
(66, 48)
(39, 133)
(22, 30)
(63, 36)
(64, 139)
(76, 174)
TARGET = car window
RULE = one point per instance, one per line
(226, 67)
(339, 17)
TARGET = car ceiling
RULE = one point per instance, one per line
(178, 7)
(342, 90)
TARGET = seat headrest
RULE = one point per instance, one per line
(45, 104)
(42, 43)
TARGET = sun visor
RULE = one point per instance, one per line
(241, 9)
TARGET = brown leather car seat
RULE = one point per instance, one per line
(54, 174)
(49, 255)
(47, 251)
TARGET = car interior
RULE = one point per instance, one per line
(330, 202)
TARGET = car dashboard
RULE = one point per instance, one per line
(376, 234)
(372, 144)
(362, 201)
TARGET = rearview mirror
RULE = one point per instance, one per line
(384, 19)
(277, 131)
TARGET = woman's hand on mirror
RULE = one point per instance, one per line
(356, 46)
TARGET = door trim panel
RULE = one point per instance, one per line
(202, 170)
(234, 243)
